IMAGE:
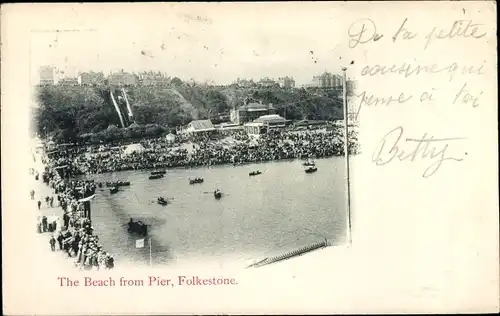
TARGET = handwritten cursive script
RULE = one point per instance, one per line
(373, 100)
(459, 28)
(393, 146)
(363, 31)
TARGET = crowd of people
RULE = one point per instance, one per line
(76, 236)
(207, 150)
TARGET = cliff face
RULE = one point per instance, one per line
(90, 109)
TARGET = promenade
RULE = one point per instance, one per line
(43, 254)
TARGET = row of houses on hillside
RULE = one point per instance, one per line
(283, 82)
(48, 75)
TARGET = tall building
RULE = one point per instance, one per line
(122, 78)
(351, 86)
(47, 75)
(327, 80)
(91, 78)
(286, 82)
(150, 78)
(245, 83)
(267, 82)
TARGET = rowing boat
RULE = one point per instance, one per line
(155, 176)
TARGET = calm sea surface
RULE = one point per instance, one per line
(282, 209)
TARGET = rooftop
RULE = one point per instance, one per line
(270, 118)
(200, 125)
(254, 106)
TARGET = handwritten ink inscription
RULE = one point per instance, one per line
(460, 28)
(394, 147)
(373, 100)
(465, 97)
(362, 32)
(407, 70)
(365, 31)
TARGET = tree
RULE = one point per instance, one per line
(176, 82)
(71, 111)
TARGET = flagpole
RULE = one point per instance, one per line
(150, 256)
(346, 152)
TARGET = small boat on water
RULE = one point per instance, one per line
(217, 194)
(196, 180)
(118, 184)
(153, 173)
(255, 173)
(311, 169)
(137, 227)
(162, 201)
(156, 176)
(113, 190)
(309, 163)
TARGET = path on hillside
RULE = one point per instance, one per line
(185, 104)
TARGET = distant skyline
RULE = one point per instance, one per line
(214, 45)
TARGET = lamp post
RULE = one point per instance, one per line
(346, 151)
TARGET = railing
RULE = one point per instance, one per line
(288, 255)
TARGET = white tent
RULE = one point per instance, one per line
(133, 148)
(170, 137)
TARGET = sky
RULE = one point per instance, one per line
(217, 42)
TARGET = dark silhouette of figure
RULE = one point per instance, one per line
(52, 242)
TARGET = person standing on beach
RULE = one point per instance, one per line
(66, 219)
(44, 223)
(39, 204)
(52, 242)
(60, 240)
(51, 201)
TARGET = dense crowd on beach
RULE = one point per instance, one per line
(76, 236)
(207, 151)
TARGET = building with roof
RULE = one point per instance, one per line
(122, 78)
(91, 78)
(151, 78)
(69, 81)
(267, 82)
(264, 124)
(228, 127)
(198, 126)
(245, 83)
(286, 82)
(249, 112)
(47, 75)
(326, 80)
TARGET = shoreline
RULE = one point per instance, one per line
(289, 160)
(241, 266)
(82, 260)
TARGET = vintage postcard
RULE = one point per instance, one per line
(249, 158)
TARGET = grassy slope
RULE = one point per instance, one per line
(84, 109)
